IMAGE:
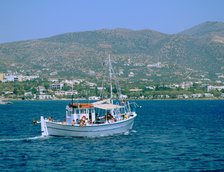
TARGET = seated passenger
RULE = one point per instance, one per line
(50, 119)
(64, 122)
(126, 116)
(83, 121)
(97, 116)
(73, 122)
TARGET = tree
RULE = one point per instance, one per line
(34, 90)
(46, 85)
(66, 87)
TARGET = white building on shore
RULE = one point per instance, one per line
(219, 88)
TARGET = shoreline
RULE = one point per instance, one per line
(6, 99)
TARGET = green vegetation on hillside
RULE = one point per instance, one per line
(190, 54)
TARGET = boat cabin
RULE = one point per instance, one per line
(78, 111)
(87, 113)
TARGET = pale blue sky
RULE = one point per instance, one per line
(32, 19)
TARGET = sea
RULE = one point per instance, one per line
(168, 135)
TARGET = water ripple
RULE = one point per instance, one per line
(167, 136)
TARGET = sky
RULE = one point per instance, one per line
(33, 19)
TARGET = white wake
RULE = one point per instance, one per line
(21, 139)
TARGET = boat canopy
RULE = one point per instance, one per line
(101, 102)
(107, 106)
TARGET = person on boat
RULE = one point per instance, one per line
(90, 122)
(64, 122)
(73, 122)
(50, 118)
(114, 119)
(77, 121)
(106, 117)
(97, 116)
(86, 121)
(123, 102)
(126, 116)
(109, 118)
(83, 121)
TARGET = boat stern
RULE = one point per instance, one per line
(44, 130)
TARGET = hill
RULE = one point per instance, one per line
(206, 29)
(192, 55)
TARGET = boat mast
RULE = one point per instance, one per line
(110, 74)
(72, 100)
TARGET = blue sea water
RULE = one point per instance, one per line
(167, 136)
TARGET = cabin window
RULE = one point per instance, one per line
(100, 112)
(83, 111)
(90, 116)
(77, 111)
(68, 113)
(117, 111)
(122, 110)
(91, 111)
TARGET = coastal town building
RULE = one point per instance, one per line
(183, 96)
(10, 78)
(57, 86)
(26, 94)
(219, 88)
(122, 96)
(208, 95)
(94, 98)
(155, 65)
(15, 77)
(42, 90)
(45, 97)
(72, 82)
(91, 84)
(197, 96)
(65, 93)
(101, 88)
(185, 85)
(135, 89)
(131, 74)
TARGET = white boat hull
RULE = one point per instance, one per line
(96, 130)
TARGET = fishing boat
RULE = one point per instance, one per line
(101, 118)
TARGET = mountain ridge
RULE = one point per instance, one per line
(199, 50)
(205, 28)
